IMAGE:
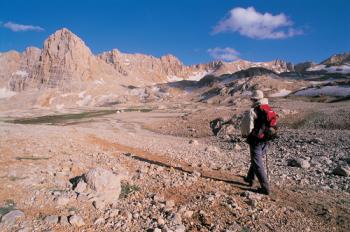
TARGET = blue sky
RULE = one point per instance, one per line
(196, 31)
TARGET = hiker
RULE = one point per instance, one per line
(256, 128)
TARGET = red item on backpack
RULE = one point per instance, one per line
(266, 123)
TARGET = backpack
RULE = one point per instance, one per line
(265, 126)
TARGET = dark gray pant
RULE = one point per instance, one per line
(257, 167)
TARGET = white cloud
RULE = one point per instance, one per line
(225, 54)
(20, 27)
(248, 22)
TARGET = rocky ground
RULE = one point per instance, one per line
(163, 170)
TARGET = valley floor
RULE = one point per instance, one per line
(177, 177)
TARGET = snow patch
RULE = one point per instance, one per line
(174, 78)
(339, 91)
(281, 93)
(20, 73)
(197, 76)
(84, 101)
(344, 69)
(5, 93)
(247, 93)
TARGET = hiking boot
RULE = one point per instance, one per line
(264, 191)
(248, 181)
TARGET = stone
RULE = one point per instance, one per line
(347, 160)
(252, 202)
(64, 220)
(76, 220)
(9, 219)
(62, 200)
(99, 204)
(212, 149)
(99, 221)
(193, 142)
(342, 170)
(170, 203)
(24, 229)
(180, 228)
(113, 212)
(105, 183)
(196, 174)
(234, 227)
(158, 198)
(52, 219)
(188, 214)
(300, 163)
(160, 221)
(81, 186)
(316, 140)
(237, 147)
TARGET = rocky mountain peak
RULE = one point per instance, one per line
(64, 60)
(64, 41)
(169, 58)
(338, 59)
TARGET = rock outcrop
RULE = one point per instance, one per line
(147, 68)
(105, 185)
(9, 63)
(302, 67)
(65, 62)
(338, 59)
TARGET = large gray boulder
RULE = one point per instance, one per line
(104, 183)
(9, 219)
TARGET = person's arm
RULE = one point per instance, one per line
(252, 117)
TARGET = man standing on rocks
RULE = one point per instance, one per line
(255, 127)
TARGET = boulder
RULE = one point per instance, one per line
(105, 183)
(342, 170)
(76, 220)
(300, 163)
(81, 186)
(9, 219)
(52, 219)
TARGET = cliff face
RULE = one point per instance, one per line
(65, 62)
(147, 68)
(65, 56)
(9, 63)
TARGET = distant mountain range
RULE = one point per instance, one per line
(66, 65)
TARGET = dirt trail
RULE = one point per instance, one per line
(166, 161)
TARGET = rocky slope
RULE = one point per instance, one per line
(171, 183)
(338, 59)
(339, 63)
